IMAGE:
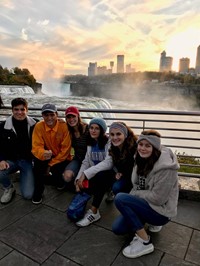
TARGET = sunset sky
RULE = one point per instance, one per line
(56, 37)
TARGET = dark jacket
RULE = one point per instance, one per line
(125, 166)
(13, 147)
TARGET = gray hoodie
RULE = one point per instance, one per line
(161, 186)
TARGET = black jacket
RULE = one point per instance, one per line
(12, 147)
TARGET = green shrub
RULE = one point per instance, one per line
(193, 163)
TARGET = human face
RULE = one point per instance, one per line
(50, 118)
(72, 120)
(94, 130)
(117, 137)
(145, 149)
(19, 112)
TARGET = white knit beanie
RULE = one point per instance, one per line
(152, 139)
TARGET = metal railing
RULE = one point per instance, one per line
(180, 130)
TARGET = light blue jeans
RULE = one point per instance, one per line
(135, 212)
(26, 176)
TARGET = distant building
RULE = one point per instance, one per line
(111, 66)
(197, 67)
(92, 69)
(184, 65)
(109, 71)
(129, 69)
(120, 63)
(102, 70)
(165, 62)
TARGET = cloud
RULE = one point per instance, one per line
(64, 37)
(43, 23)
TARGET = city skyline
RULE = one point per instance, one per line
(54, 40)
(166, 64)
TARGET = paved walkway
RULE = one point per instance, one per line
(42, 235)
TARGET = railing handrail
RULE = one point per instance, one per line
(146, 122)
(127, 111)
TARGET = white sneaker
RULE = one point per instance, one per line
(154, 228)
(8, 195)
(138, 248)
(89, 218)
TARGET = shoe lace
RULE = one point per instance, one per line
(135, 239)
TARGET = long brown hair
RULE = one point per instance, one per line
(81, 126)
(102, 139)
(129, 143)
(1, 102)
(144, 166)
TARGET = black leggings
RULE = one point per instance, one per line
(99, 184)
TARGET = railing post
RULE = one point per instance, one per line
(143, 125)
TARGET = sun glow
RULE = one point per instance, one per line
(183, 44)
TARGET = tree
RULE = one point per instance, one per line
(16, 76)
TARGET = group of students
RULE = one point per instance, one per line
(138, 172)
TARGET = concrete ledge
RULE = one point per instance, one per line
(189, 195)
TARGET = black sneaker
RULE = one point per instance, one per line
(61, 188)
(37, 199)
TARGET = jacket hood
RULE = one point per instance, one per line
(9, 125)
(167, 160)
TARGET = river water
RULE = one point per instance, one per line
(61, 96)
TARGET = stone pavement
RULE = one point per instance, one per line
(33, 235)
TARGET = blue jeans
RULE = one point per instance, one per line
(121, 185)
(74, 166)
(135, 212)
(26, 176)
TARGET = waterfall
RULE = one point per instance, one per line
(34, 100)
(16, 89)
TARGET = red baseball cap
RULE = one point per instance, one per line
(72, 110)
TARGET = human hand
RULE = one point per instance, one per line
(77, 186)
(4, 165)
(79, 182)
(118, 176)
(47, 154)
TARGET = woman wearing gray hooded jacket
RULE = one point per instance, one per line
(154, 197)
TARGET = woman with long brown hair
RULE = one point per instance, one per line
(79, 132)
(1, 102)
(122, 151)
(95, 174)
(154, 196)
